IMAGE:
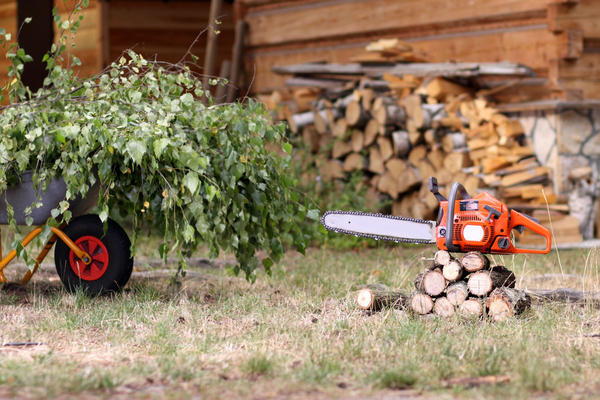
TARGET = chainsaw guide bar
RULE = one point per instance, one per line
(380, 226)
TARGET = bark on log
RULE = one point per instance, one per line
(443, 307)
(452, 271)
(401, 143)
(564, 295)
(471, 307)
(474, 261)
(457, 293)
(376, 296)
(505, 302)
(454, 141)
(502, 276)
(421, 303)
(431, 282)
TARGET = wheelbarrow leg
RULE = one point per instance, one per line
(40, 258)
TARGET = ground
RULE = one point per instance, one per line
(295, 335)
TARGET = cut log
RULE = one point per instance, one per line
(441, 258)
(371, 131)
(357, 141)
(375, 161)
(333, 169)
(366, 97)
(452, 271)
(298, 121)
(404, 174)
(441, 89)
(374, 297)
(471, 307)
(454, 141)
(431, 282)
(457, 293)
(505, 302)
(388, 112)
(385, 147)
(455, 162)
(311, 138)
(474, 261)
(320, 121)
(414, 111)
(443, 307)
(421, 303)
(340, 149)
(417, 154)
(400, 143)
(481, 283)
(502, 276)
(353, 162)
(355, 115)
(340, 128)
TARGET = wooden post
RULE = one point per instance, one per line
(236, 66)
(225, 73)
(211, 42)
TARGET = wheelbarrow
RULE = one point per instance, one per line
(86, 257)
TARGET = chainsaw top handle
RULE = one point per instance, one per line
(457, 189)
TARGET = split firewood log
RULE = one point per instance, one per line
(376, 296)
(505, 302)
(355, 114)
(371, 131)
(401, 143)
(457, 293)
(421, 303)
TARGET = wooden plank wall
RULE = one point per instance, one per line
(8, 21)
(165, 30)
(543, 34)
(89, 41)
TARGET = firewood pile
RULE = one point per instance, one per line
(400, 123)
(468, 286)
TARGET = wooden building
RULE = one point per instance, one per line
(155, 28)
(559, 39)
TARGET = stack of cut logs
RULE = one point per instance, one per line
(468, 286)
(397, 129)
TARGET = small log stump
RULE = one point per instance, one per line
(421, 303)
(471, 307)
(457, 293)
(441, 258)
(376, 296)
(504, 302)
(452, 271)
(431, 282)
(474, 261)
(443, 307)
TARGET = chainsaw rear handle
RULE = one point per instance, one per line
(457, 189)
(518, 220)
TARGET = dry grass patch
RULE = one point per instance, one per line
(296, 334)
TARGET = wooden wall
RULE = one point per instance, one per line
(8, 21)
(166, 29)
(554, 37)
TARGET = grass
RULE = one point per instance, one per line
(295, 334)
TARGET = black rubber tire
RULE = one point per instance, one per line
(117, 243)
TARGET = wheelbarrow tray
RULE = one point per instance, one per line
(24, 194)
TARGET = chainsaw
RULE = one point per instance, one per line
(464, 223)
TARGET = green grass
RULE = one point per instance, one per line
(295, 334)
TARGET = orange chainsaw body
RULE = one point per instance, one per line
(483, 223)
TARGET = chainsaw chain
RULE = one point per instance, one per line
(373, 236)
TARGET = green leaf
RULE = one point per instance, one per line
(313, 214)
(160, 145)
(287, 148)
(191, 181)
(187, 99)
(136, 150)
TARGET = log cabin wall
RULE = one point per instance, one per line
(166, 29)
(559, 39)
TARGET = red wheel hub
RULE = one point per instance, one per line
(97, 251)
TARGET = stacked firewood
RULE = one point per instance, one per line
(469, 286)
(400, 132)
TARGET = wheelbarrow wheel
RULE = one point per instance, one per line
(111, 264)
